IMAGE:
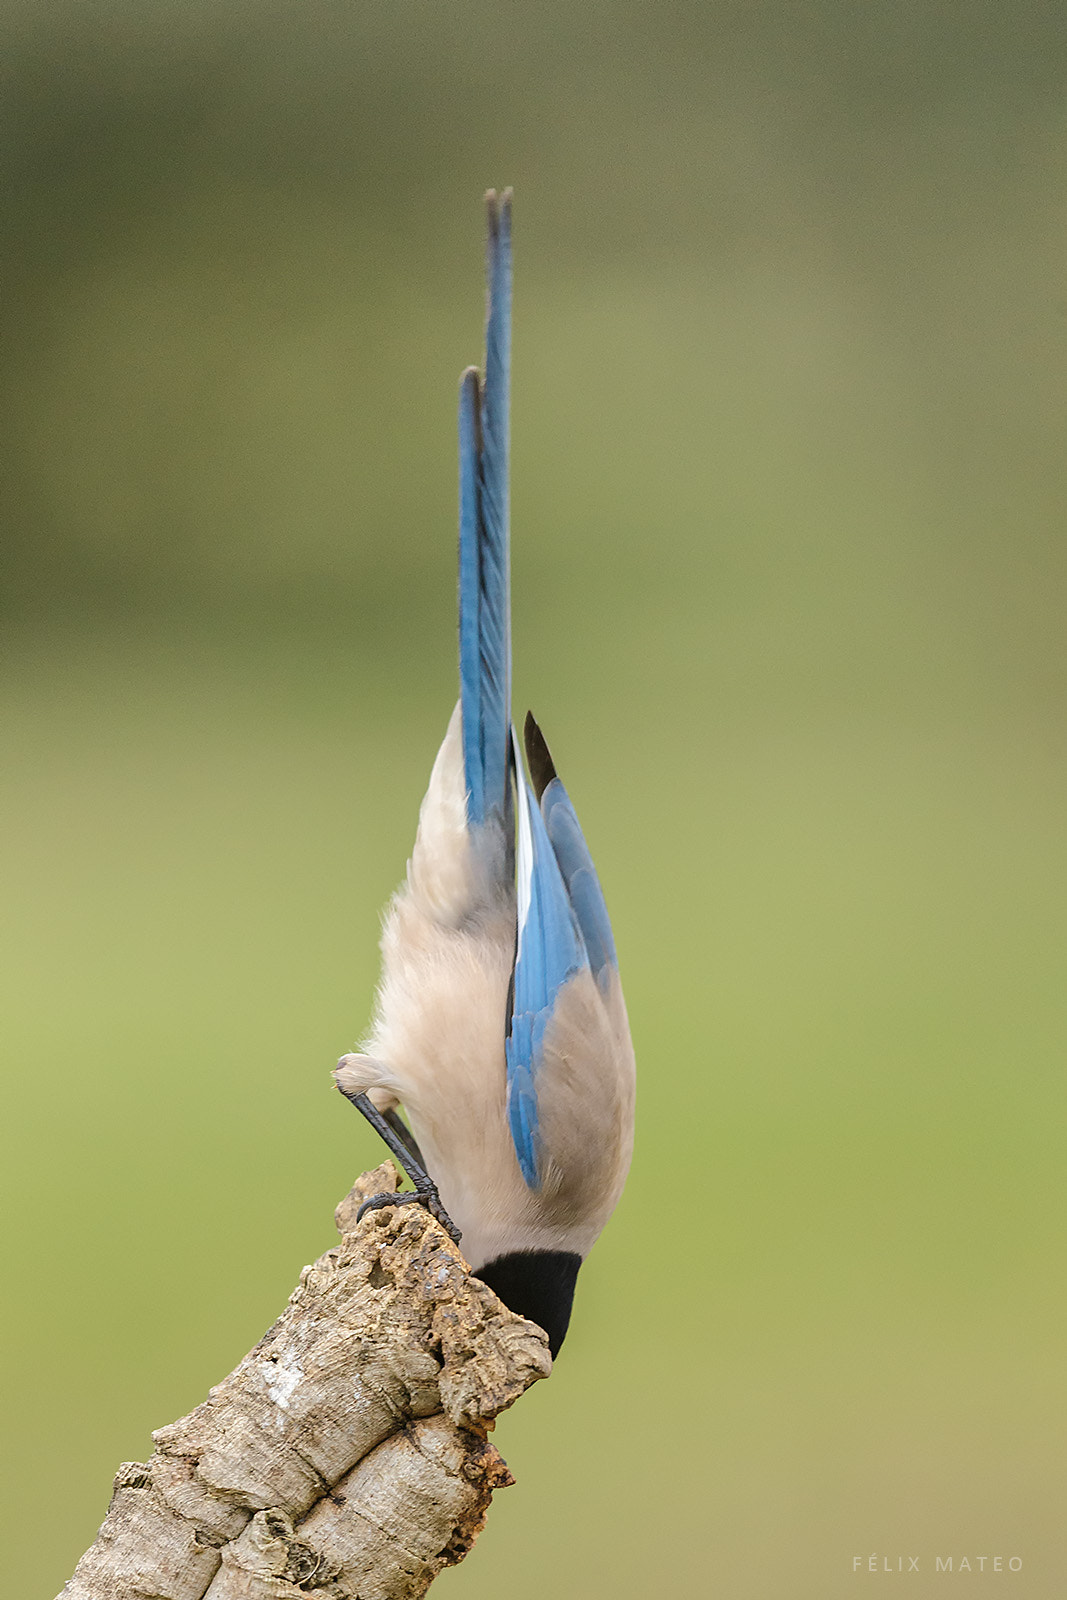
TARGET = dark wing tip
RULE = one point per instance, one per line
(538, 756)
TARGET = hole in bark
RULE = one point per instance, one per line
(378, 1276)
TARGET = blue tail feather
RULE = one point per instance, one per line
(470, 667)
(484, 575)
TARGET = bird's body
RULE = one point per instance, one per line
(500, 1024)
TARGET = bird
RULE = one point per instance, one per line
(499, 1022)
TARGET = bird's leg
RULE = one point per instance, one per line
(404, 1133)
(401, 1143)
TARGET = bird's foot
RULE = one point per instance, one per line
(422, 1196)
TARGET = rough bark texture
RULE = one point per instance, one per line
(346, 1456)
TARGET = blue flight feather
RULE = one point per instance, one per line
(484, 573)
(551, 950)
(579, 875)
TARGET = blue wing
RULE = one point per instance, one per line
(484, 577)
(550, 951)
(571, 852)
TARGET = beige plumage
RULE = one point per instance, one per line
(436, 1047)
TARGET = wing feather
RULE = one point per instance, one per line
(572, 852)
(550, 951)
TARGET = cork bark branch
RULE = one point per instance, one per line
(347, 1455)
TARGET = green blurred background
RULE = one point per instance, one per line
(789, 577)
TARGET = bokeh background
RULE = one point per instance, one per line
(789, 577)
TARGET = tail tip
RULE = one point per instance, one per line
(498, 209)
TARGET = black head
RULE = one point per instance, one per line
(537, 1284)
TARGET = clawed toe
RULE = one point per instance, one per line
(429, 1198)
(377, 1202)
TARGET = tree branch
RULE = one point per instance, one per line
(347, 1454)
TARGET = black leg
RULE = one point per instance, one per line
(400, 1142)
(402, 1131)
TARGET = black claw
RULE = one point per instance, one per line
(378, 1202)
(419, 1197)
